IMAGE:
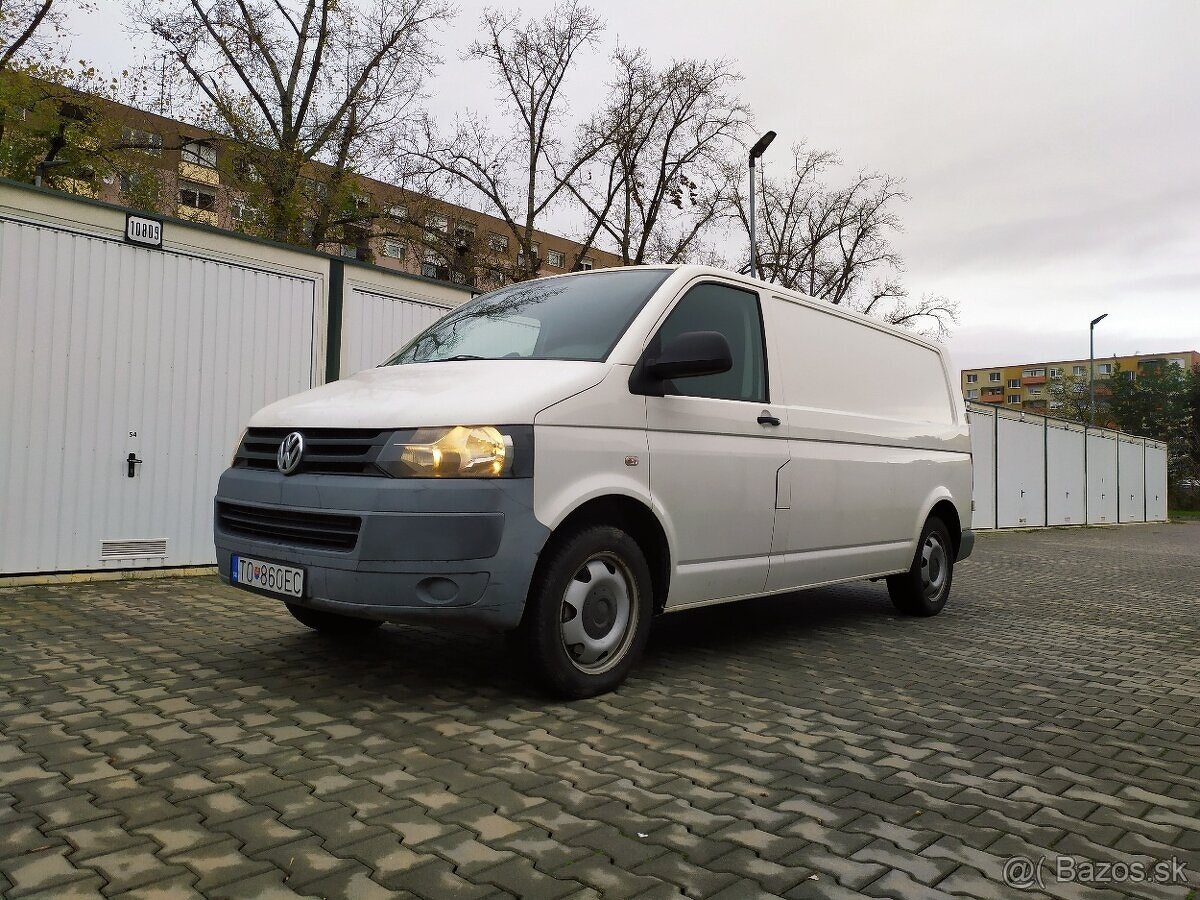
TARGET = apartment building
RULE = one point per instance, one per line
(1028, 385)
(187, 172)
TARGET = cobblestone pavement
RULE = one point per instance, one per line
(177, 737)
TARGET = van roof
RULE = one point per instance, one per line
(693, 270)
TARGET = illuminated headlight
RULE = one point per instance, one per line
(460, 451)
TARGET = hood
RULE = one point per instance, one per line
(465, 392)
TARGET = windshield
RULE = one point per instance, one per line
(578, 317)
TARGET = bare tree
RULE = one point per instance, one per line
(657, 181)
(521, 171)
(30, 28)
(835, 243)
(293, 82)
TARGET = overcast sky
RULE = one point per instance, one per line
(1051, 149)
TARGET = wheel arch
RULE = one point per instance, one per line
(637, 520)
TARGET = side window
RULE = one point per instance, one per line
(735, 314)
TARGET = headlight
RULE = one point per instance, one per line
(460, 451)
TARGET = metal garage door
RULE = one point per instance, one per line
(1020, 473)
(1101, 477)
(1066, 487)
(375, 325)
(108, 350)
(1131, 477)
(1156, 482)
(983, 454)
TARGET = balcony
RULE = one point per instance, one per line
(203, 174)
(992, 398)
(1034, 379)
(193, 214)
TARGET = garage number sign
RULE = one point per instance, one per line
(143, 231)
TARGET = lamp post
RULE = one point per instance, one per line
(1092, 367)
(39, 172)
(755, 152)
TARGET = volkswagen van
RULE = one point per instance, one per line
(567, 458)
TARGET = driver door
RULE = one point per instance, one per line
(715, 454)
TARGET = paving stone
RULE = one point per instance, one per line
(197, 743)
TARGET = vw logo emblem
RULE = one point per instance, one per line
(290, 452)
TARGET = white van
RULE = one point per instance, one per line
(566, 458)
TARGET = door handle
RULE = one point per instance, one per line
(766, 419)
(131, 460)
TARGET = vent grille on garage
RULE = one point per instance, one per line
(144, 549)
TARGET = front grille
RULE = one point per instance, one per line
(326, 531)
(327, 451)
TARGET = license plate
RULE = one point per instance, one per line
(266, 576)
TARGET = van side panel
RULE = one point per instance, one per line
(874, 434)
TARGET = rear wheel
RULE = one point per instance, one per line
(588, 612)
(924, 589)
(331, 623)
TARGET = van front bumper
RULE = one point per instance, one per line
(426, 551)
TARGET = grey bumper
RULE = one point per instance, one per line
(452, 551)
(966, 544)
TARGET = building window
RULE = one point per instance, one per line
(242, 212)
(464, 232)
(348, 250)
(397, 211)
(534, 249)
(972, 393)
(199, 153)
(1056, 373)
(1033, 373)
(1078, 370)
(1105, 368)
(1014, 382)
(197, 197)
(146, 141)
(1056, 404)
(1014, 398)
(1128, 376)
(434, 266)
(437, 223)
(972, 378)
(393, 249)
(994, 376)
(498, 243)
(1035, 392)
(1178, 361)
(586, 264)
(556, 259)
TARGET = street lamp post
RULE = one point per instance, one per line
(1092, 367)
(755, 152)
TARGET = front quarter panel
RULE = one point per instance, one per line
(590, 445)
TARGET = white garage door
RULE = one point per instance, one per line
(1065, 484)
(375, 325)
(1101, 478)
(1131, 476)
(983, 458)
(1020, 473)
(1156, 482)
(109, 350)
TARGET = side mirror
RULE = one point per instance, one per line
(689, 355)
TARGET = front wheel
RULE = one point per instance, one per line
(331, 623)
(588, 612)
(924, 589)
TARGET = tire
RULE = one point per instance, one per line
(331, 623)
(588, 613)
(924, 589)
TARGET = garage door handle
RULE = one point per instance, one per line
(765, 419)
(131, 460)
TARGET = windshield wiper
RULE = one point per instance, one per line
(457, 358)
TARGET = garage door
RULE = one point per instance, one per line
(1020, 473)
(1131, 477)
(1066, 486)
(983, 453)
(1156, 482)
(1101, 477)
(375, 325)
(110, 351)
